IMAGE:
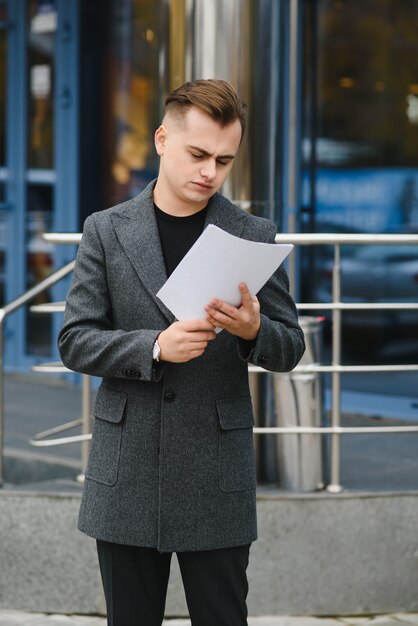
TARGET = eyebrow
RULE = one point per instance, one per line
(206, 153)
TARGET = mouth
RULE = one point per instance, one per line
(203, 186)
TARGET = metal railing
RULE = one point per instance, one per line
(5, 311)
(336, 368)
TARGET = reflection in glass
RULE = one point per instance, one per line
(3, 242)
(39, 264)
(3, 66)
(42, 25)
(360, 159)
(132, 87)
(361, 113)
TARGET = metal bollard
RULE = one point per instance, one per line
(298, 402)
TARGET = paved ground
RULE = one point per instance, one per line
(13, 618)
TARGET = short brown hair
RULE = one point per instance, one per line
(215, 97)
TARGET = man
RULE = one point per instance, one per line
(171, 467)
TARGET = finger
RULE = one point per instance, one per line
(213, 321)
(219, 306)
(220, 326)
(198, 347)
(196, 353)
(248, 300)
(192, 354)
(201, 337)
(245, 295)
(222, 320)
(216, 316)
(196, 325)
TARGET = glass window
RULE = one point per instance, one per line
(361, 114)
(360, 174)
(132, 88)
(39, 264)
(42, 26)
(360, 159)
(3, 77)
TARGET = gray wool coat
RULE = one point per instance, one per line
(171, 464)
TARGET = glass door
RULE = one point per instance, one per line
(38, 156)
(4, 25)
(41, 36)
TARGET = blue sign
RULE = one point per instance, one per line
(366, 200)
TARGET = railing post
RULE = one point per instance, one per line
(335, 486)
(292, 150)
(85, 420)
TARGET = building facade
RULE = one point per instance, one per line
(332, 142)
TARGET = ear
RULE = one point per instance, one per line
(160, 138)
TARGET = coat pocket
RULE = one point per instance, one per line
(236, 460)
(103, 464)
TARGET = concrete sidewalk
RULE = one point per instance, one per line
(13, 618)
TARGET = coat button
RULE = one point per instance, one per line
(262, 358)
(170, 396)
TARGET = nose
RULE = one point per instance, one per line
(208, 169)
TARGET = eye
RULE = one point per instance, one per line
(221, 162)
(196, 156)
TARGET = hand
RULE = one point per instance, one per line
(244, 321)
(184, 341)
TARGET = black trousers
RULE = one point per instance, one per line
(135, 584)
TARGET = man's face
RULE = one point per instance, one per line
(197, 155)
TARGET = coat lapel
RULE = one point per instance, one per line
(137, 231)
(225, 215)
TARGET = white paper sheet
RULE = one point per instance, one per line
(214, 267)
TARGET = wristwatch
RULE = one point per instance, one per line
(156, 351)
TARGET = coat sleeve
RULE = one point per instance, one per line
(87, 342)
(280, 342)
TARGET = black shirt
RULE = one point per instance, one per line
(178, 234)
